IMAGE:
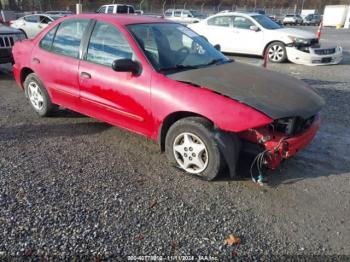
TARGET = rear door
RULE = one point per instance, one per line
(220, 31)
(56, 61)
(120, 98)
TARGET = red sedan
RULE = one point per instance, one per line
(162, 80)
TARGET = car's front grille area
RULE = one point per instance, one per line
(328, 51)
(313, 42)
(302, 124)
(7, 41)
(293, 126)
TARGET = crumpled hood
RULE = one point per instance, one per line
(272, 93)
(296, 33)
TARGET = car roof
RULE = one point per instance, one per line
(122, 19)
(238, 13)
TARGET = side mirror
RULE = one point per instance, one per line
(217, 47)
(254, 28)
(126, 65)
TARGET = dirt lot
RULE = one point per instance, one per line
(70, 185)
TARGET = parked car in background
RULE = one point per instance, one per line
(8, 37)
(31, 25)
(312, 20)
(116, 9)
(183, 16)
(63, 13)
(255, 34)
(292, 19)
(160, 79)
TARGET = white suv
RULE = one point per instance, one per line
(183, 16)
(116, 9)
(292, 19)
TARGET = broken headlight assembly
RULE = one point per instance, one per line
(292, 125)
(302, 42)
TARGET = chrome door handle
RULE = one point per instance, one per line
(36, 60)
(85, 75)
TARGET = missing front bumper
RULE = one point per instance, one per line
(315, 56)
(278, 145)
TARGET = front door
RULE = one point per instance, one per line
(120, 98)
(248, 41)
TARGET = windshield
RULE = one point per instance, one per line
(174, 47)
(266, 22)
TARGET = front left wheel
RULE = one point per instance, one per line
(191, 146)
(277, 52)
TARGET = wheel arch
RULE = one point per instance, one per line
(170, 120)
(24, 73)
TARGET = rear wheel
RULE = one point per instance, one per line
(277, 52)
(38, 97)
(191, 146)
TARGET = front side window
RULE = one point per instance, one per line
(242, 22)
(122, 9)
(45, 20)
(46, 41)
(107, 44)
(223, 21)
(68, 37)
(170, 47)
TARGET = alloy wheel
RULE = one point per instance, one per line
(35, 96)
(190, 153)
(276, 53)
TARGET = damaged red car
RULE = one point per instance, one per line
(162, 80)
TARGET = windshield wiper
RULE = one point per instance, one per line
(178, 67)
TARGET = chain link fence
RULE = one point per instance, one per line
(148, 6)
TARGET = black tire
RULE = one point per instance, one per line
(47, 107)
(274, 46)
(203, 129)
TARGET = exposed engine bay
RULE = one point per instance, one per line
(309, 52)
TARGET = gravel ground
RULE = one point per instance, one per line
(73, 186)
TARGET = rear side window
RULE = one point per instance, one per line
(46, 42)
(32, 18)
(220, 21)
(177, 13)
(110, 9)
(68, 37)
(102, 9)
(107, 44)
